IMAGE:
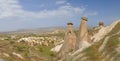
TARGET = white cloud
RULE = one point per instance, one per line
(13, 16)
(9, 8)
(90, 14)
(12, 9)
(60, 2)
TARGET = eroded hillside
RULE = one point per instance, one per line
(104, 45)
(106, 48)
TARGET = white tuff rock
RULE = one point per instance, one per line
(57, 48)
(104, 31)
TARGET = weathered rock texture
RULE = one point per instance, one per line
(105, 46)
(69, 41)
(104, 31)
(83, 37)
(101, 24)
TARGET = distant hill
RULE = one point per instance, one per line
(36, 30)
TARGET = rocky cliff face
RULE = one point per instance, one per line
(105, 46)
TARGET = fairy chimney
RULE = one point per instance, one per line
(69, 40)
(83, 36)
(101, 24)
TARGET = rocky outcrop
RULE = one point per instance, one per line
(83, 38)
(105, 46)
(69, 41)
(18, 55)
(104, 31)
(57, 48)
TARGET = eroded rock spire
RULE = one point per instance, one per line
(101, 24)
(69, 40)
(83, 38)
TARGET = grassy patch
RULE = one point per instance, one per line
(115, 29)
(112, 43)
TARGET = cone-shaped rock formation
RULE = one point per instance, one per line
(83, 37)
(69, 41)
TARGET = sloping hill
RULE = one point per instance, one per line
(106, 48)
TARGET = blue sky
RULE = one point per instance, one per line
(28, 14)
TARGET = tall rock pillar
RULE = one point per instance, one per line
(69, 41)
(83, 37)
